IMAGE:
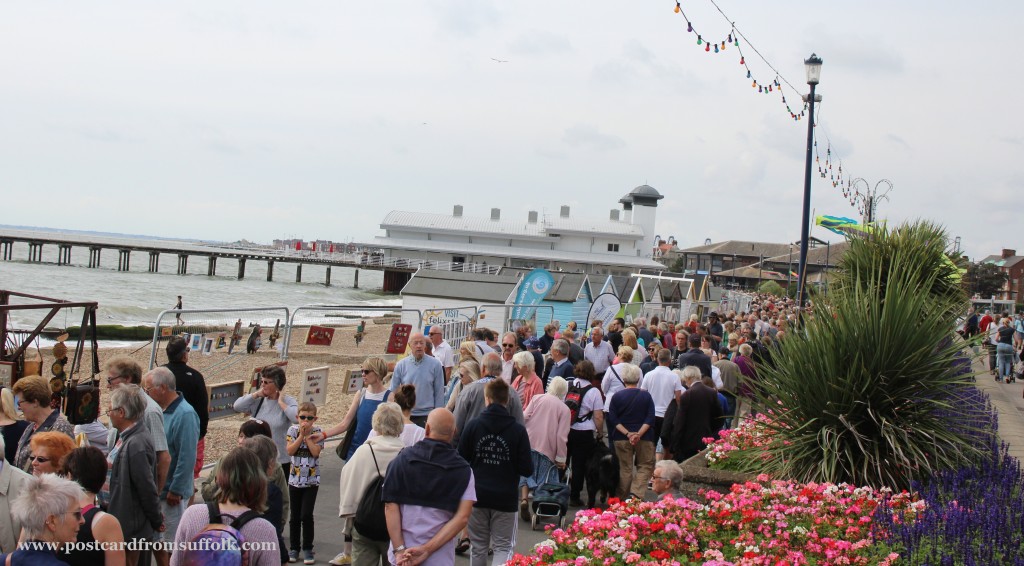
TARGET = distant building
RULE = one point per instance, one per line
(620, 244)
(1013, 266)
(742, 264)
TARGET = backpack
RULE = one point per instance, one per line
(219, 543)
(370, 519)
(574, 400)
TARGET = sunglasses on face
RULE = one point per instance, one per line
(307, 418)
(367, 371)
(508, 345)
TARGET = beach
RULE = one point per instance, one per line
(221, 367)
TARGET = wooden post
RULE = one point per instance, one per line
(298, 274)
(355, 285)
(241, 268)
(270, 270)
(328, 282)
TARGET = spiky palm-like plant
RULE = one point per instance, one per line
(869, 391)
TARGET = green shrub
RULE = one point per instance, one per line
(865, 391)
(772, 288)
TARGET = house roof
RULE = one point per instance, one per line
(1001, 261)
(458, 285)
(462, 248)
(739, 247)
(546, 225)
(815, 256)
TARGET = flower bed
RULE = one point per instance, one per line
(758, 522)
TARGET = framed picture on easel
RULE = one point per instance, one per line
(6, 374)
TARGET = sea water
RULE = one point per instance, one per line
(137, 297)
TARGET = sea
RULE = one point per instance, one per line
(136, 297)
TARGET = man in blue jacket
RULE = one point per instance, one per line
(182, 426)
(498, 450)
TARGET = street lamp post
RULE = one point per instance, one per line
(813, 66)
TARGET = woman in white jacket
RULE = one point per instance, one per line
(359, 472)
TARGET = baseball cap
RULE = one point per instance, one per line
(531, 343)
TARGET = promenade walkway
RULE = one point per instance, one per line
(1008, 402)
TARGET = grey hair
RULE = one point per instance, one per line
(264, 448)
(162, 376)
(40, 498)
(524, 360)
(491, 364)
(746, 350)
(671, 471)
(558, 387)
(388, 420)
(630, 374)
(130, 398)
(561, 346)
(691, 373)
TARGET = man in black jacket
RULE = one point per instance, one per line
(192, 386)
(498, 450)
(699, 416)
(694, 357)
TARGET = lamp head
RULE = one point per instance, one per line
(813, 66)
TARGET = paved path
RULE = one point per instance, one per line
(1008, 401)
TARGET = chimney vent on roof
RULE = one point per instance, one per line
(495, 214)
(1008, 253)
(565, 211)
(614, 214)
(532, 217)
(457, 212)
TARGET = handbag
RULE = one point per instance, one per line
(82, 403)
(346, 443)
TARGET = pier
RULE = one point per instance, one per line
(397, 271)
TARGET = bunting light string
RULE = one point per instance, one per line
(831, 169)
(733, 40)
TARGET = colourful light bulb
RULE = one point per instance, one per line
(759, 89)
(730, 38)
(689, 26)
(677, 7)
(769, 88)
(699, 39)
(748, 73)
(737, 43)
(755, 84)
(723, 46)
(716, 48)
(742, 60)
(707, 47)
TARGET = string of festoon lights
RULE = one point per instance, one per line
(831, 168)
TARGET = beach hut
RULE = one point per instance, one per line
(570, 298)
(631, 295)
(452, 296)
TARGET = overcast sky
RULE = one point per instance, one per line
(261, 120)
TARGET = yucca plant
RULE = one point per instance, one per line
(869, 390)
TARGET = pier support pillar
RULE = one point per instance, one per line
(395, 280)
(182, 264)
(35, 252)
(327, 283)
(298, 274)
(94, 256)
(270, 270)
(124, 258)
(8, 249)
(154, 262)
(355, 284)
(211, 266)
(241, 268)
(64, 254)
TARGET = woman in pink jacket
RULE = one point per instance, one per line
(527, 384)
(547, 424)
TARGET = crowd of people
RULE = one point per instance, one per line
(1003, 338)
(442, 452)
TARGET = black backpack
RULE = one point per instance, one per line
(574, 400)
(370, 519)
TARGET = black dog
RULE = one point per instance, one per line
(602, 475)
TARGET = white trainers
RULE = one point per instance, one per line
(342, 559)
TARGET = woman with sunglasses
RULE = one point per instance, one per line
(358, 419)
(87, 467)
(48, 449)
(50, 517)
(270, 405)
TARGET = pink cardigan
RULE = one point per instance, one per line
(547, 424)
(533, 386)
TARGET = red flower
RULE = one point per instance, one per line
(660, 554)
(613, 501)
(656, 527)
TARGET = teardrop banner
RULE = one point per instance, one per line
(534, 287)
(604, 308)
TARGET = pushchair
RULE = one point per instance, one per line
(551, 500)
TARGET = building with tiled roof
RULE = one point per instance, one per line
(1013, 266)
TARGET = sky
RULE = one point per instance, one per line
(261, 120)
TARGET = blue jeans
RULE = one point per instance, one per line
(1004, 359)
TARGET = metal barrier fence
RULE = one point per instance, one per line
(328, 343)
(219, 339)
(503, 314)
